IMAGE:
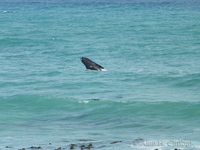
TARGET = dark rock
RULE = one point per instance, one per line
(82, 147)
(8, 147)
(33, 147)
(72, 147)
(115, 142)
(88, 147)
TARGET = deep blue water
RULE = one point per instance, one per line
(148, 98)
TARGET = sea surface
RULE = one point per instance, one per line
(149, 97)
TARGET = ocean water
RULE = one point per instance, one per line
(149, 97)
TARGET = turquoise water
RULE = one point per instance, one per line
(148, 98)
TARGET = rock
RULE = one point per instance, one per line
(89, 146)
(115, 142)
(82, 147)
(33, 147)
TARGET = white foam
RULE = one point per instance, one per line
(104, 70)
(84, 102)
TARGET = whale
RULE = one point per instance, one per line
(89, 64)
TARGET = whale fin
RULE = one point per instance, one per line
(89, 64)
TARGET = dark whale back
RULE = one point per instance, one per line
(89, 64)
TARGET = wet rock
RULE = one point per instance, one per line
(72, 147)
(8, 147)
(89, 146)
(33, 147)
(82, 147)
(59, 148)
(115, 142)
